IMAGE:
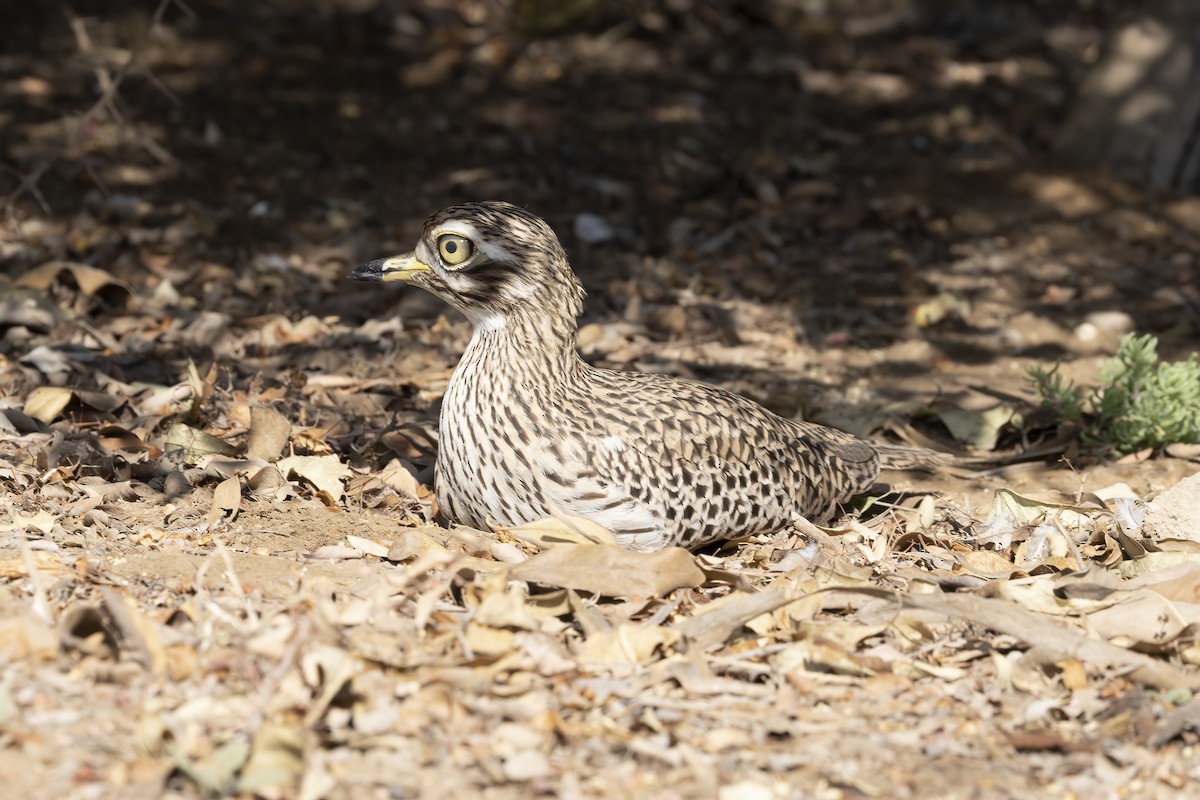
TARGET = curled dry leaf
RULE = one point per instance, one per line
(137, 634)
(396, 476)
(979, 428)
(278, 329)
(268, 484)
(115, 439)
(484, 641)
(325, 473)
(328, 669)
(90, 280)
(1028, 511)
(311, 441)
(165, 400)
(227, 498)
(196, 445)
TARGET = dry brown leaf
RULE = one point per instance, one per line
(626, 645)
(43, 562)
(202, 388)
(1029, 511)
(278, 329)
(506, 609)
(1143, 617)
(985, 563)
(611, 571)
(563, 528)
(311, 441)
(328, 669)
(195, 444)
(89, 279)
(42, 521)
(787, 617)
(1155, 561)
(268, 484)
(921, 669)
(165, 400)
(1041, 594)
(326, 473)
(1074, 675)
(227, 498)
(138, 635)
(410, 544)
(399, 479)
(26, 636)
(487, 642)
(115, 439)
(269, 432)
(1177, 582)
(45, 403)
(276, 759)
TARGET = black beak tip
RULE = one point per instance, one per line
(371, 272)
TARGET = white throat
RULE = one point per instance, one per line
(489, 321)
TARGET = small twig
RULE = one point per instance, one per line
(1083, 568)
(274, 678)
(234, 583)
(41, 604)
(110, 85)
(29, 182)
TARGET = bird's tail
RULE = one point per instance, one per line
(894, 456)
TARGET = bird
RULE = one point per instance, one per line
(528, 429)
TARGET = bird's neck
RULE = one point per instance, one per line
(524, 341)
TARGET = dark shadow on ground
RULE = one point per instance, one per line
(845, 168)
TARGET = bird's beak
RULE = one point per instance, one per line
(396, 268)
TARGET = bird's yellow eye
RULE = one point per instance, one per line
(454, 249)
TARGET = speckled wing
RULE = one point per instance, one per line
(687, 464)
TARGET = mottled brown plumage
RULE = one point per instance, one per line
(529, 428)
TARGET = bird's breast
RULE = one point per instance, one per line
(495, 434)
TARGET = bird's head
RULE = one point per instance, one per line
(489, 260)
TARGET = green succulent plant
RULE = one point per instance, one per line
(1139, 402)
